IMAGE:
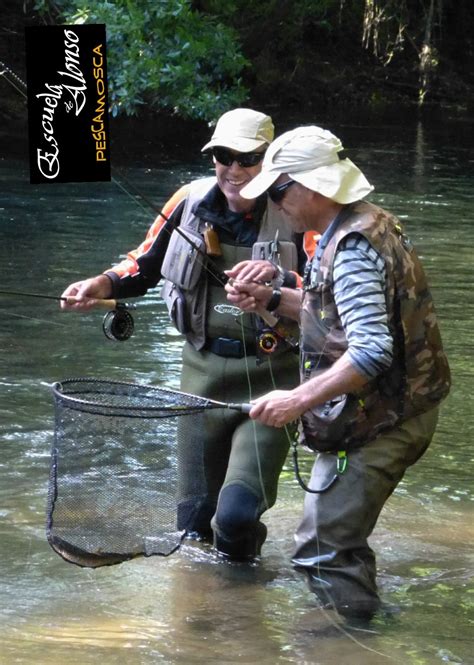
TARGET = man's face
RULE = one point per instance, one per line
(295, 202)
(232, 177)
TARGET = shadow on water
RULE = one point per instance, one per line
(192, 607)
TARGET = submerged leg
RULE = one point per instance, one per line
(250, 487)
(331, 541)
(238, 533)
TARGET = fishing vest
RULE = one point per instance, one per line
(198, 306)
(418, 378)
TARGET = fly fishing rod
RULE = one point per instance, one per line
(270, 319)
(118, 324)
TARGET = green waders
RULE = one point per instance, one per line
(331, 541)
(228, 474)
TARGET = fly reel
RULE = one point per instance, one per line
(267, 341)
(118, 324)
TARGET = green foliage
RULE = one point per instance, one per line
(186, 56)
(164, 54)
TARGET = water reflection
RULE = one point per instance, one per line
(192, 607)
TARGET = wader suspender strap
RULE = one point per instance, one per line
(342, 459)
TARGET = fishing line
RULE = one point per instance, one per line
(223, 279)
(28, 294)
(32, 318)
(270, 319)
(207, 264)
(292, 440)
(254, 424)
(204, 259)
(8, 72)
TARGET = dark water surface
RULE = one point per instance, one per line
(192, 607)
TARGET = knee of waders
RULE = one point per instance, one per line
(238, 534)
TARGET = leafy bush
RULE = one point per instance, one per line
(162, 53)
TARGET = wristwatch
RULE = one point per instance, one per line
(274, 300)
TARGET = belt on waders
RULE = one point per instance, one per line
(229, 348)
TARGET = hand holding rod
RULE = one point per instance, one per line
(102, 303)
(270, 319)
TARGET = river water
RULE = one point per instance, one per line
(191, 607)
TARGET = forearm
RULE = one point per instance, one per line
(340, 379)
(290, 303)
(141, 270)
(281, 407)
(254, 297)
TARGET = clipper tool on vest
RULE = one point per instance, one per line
(213, 247)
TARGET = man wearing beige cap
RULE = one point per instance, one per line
(372, 367)
(228, 468)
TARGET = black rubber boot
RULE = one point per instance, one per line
(245, 548)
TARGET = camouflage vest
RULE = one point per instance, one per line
(419, 376)
(199, 299)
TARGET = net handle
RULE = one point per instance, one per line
(57, 388)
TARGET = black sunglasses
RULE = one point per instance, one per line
(244, 159)
(277, 192)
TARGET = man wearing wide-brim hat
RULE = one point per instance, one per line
(372, 367)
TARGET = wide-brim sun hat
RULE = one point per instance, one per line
(243, 130)
(310, 156)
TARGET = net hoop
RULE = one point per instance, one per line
(100, 393)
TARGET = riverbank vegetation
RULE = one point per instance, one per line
(197, 58)
(192, 60)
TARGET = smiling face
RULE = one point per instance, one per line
(231, 179)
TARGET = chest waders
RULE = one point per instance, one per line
(231, 477)
(229, 469)
(386, 429)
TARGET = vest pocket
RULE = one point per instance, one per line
(183, 263)
(176, 305)
(325, 427)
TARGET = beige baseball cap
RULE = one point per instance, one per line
(309, 155)
(243, 130)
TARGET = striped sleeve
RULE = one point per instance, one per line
(359, 291)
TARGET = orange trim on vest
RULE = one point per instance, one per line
(129, 266)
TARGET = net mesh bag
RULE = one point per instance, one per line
(114, 479)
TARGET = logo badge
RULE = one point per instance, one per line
(231, 310)
(67, 103)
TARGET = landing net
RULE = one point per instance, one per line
(114, 479)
